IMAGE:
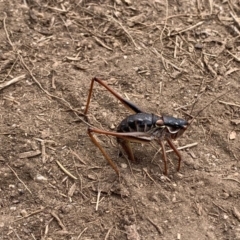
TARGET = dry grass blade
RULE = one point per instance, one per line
(10, 82)
(20, 179)
(65, 170)
(187, 29)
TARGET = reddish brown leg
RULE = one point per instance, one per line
(164, 156)
(124, 138)
(126, 145)
(103, 151)
(176, 151)
(125, 102)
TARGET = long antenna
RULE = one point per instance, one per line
(205, 106)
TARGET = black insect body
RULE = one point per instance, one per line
(140, 127)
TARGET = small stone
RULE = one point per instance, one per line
(112, 127)
(198, 46)
(225, 216)
(124, 165)
(66, 209)
(180, 176)
(92, 177)
(225, 195)
(40, 178)
(24, 213)
(13, 208)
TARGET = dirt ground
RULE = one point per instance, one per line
(164, 56)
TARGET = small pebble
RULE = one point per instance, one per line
(40, 178)
(112, 127)
(178, 236)
(24, 213)
(124, 165)
(225, 216)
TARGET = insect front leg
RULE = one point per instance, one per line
(176, 151)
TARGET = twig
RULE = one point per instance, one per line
(30, 214)
(211, 6)
(16, 234)
(76, 155)
(6, 32)
(29, 154)
(235, 19)
(59, 221)
(235, 57)
(145, 170)
(208, 66)
(160, 88)
(20, 179)
(170, 150)
(43, 151)
(66, 27)
(57, 9)
(183, 147)
(175, 48)
(236, 213)
(165, 22)
(184, 106)
(219, 207)
(98, 198)
(108, 232)
(10, 82)
(187, 29)
(65, 170)
(33, 236)
(9, 72)
(81, 233)
(47, 228)
(232, 179)
(228, 103)
(159, 229)
(102, 43)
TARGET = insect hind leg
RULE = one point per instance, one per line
(131, 106)
(126, 146)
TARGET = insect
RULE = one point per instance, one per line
(141, 127)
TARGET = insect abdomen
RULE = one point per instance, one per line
(140, 122)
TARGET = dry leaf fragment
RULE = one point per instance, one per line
(232, 135)
(73, 58)
(72, 190)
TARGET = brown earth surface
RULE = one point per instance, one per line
(164, 56)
